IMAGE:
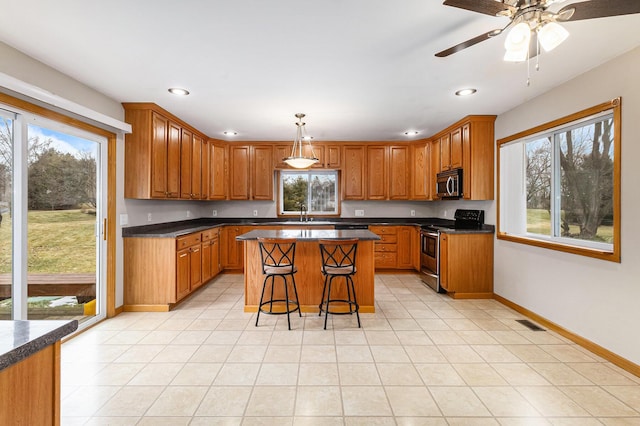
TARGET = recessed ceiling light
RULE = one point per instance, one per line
(230, 133)
(411, 132)
(178, 91)
(465, 92)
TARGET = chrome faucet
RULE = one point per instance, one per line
(303, 212)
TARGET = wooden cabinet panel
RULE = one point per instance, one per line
(332, 155)
(231, 251)
(196, 167)
(377, 173)
(205, 170)
(445, 152)
(262, 173)
(435, 168)
(420, 171)
(183, 274)
(405, 254)
(173, 160)
(280, 152)
(215, 256)
(475, 252)
(239, 176)
(207, 267)
(353, 171)
(456, 148)
(195, 264)
(218, 171)
(399, 172)
(159, 156)
(185, 164)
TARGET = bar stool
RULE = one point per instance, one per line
(338, 260)
(278, 256)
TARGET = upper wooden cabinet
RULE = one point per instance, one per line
(468, 144)
(218, 153)
(332, 156)
(420, 171)
(377, 182)
(250, 172)
(353, 172)
(155, 154)
(399, 172)
(282, 151)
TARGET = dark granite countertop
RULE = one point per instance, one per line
(21, 339)
(486, 229)
(310, 234)
(177, 229)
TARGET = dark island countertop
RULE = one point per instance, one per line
(180, 228)
(310, 234)
(21, 339)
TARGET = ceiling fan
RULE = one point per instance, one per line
(532, 19)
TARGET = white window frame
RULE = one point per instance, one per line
(309, 173)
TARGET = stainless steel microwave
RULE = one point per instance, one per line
(449, 184)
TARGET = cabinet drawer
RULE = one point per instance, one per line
(381, 230)
(385, 260)
(387, 239)
(187, 241)
(389, 248)
(209, 234)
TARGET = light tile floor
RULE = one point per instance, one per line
(421, 359)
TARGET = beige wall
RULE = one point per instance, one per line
(595, 299)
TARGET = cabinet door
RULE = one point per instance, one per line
(173, 160)
(435, 168)
(405, 254)
(183, 274)
(204, 178)
(195, 260)
(444, 262)
(185, 164)
(262, 173)
(399, 173)
(232, 250)
(318, 151)
(377, 178)
(196, 167)
(215, 256)
(280, 152)
(207, 269)
(456, 148)
(239, 176)
(218, 172)
(332, 156)
(159, 156)
(445, 152)
(353, 173)
(419, 172)
(467, 176)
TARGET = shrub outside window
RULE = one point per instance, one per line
(559, 184)
(315, 190)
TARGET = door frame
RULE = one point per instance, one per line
(109, 228)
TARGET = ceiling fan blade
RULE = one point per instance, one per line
(468, 43)
(488, 7)
(601, 9)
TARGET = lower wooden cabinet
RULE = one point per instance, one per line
(159, 272)
(466, 265)
(395, 248)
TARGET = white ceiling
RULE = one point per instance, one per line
(359, 69)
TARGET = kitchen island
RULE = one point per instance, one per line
(309, 279)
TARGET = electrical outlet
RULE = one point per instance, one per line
(255, 212)
(214, 213)
(413, 212)
(359, 212)
(124, 219)
(188, 213)
(149, 217)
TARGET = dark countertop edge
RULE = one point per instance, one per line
(486, 229)
(361, 234)
(30, 347)
(177, 229)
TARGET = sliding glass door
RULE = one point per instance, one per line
(58, 245)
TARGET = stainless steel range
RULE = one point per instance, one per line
(430, 244)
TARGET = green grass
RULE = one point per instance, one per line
(60, 241)
(539, 222)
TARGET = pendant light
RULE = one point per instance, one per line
(296, 159)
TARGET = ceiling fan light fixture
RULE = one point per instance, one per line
(551, 35)
(296, 159)
(517, 43)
